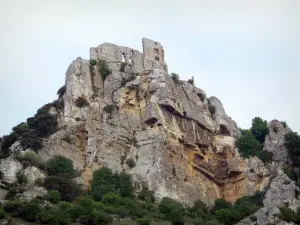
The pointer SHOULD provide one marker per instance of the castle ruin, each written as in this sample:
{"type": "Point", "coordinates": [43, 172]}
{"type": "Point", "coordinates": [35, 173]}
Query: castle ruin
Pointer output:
{"type": "Point", "coordinates": [151, 58]}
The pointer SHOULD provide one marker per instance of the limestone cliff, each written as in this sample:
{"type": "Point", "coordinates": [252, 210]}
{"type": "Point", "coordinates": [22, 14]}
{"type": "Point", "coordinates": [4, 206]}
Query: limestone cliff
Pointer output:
{"type": "Point", "coordinates": [139, 113]}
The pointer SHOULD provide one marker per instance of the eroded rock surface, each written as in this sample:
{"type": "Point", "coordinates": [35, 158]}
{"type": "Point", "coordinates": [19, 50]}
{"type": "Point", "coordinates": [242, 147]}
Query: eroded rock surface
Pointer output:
{"type": "Point", "coordinates": [282, 192]}
{"type": "Point", "coordinates": [139, 112]}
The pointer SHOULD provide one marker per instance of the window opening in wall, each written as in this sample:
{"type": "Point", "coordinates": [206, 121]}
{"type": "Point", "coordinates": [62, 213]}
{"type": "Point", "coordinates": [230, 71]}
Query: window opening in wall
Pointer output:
{"type": "Point", "coordinates": [129, 61]}
{"type": "Point", "coordinates": [156, 58]}
{"type": "Point", "coordinates": [156, 50]}
{"type": "Point", "coordinates": [123, 57]}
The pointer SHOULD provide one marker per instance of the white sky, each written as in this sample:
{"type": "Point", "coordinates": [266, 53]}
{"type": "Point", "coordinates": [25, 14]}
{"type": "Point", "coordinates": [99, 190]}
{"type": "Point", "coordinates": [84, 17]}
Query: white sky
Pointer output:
{"type": "Point", "coordinates": [246, 53]}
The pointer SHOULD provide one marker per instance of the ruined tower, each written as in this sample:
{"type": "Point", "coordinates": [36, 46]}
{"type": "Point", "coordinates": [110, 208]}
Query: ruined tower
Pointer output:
{"type": "Point", "coordinates": [151, 58]}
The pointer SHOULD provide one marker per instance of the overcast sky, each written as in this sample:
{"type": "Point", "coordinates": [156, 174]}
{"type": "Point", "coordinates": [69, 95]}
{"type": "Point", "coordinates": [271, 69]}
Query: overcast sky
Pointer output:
{"type": "Point", "coordinates": [246, 53]}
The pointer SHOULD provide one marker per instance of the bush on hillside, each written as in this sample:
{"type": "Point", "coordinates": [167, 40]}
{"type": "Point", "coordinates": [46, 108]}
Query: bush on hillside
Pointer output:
{"type": "Point", "coordinates": [259, 129]}
{"type": "Point", "coordinates": [292, 143]}
{"type": "Point", "coordinates": [61, 91]}
{"type": "Point", "coordinates": [104, 69]}
{"type": "Point", "coordinates": [96, 217]}
{"type": "Point", "coordinates": [221, 203]}
{"type": "Point", "coordinates": [67, 189]}
{"type": "Point", "coordinates": [175, 78]}
{"type": "Point", "coordinates": [53, 196]}
{"type": "Point", "coordinates": [30, 158]}
{"type": "Point", "coordinates": [173, 210]}
{"type": "Point", "coordinates": [21, 128]}
{"type": "Point", "coordinates": [248, 145]}
{"type": "Point", "coordinates": [60, 166]}
{"type": "Point", "coordinates": [284, 124]}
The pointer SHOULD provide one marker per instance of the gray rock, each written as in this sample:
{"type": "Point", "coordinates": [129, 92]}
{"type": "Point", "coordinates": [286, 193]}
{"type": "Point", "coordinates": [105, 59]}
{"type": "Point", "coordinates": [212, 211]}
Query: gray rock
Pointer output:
{"type": "Point", "coordinates": [33, 193]}
{"type": "Point", "coordinates": [9, 168]}
{"type": "Point", "coordinates": [274, 142]}
{"type": "Point", "coordinates": [32, 173]}
{"type": "Point", "coordinates": [180, 149]}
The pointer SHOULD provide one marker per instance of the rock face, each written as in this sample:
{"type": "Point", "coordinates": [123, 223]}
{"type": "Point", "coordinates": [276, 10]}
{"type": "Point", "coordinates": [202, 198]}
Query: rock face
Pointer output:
{"type": "Point", "coordinates": [140, 112]}
{"type": "Point", "coordinates": [274, 142]}
{"type": "Point", "coordinates": [282, 192]}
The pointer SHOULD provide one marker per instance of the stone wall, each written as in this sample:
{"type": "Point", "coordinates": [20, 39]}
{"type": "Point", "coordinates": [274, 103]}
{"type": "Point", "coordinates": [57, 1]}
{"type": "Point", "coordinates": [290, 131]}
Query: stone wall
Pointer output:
{"type": "Point", "coordinates": [151, 58]}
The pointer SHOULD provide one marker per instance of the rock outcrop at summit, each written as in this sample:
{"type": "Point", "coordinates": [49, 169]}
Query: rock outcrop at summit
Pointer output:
{"type": "Point", "coordinates": [163, 126]}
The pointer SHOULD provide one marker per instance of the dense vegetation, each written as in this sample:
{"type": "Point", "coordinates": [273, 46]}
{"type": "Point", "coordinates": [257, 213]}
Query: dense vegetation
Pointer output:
{"type": "Point", "coordinates": [292, 143]}
{"type": "Point", "coordinates": [112, 197]}
{"type": "Point", "coordinates": [30, 134]}
{"type": "Point", "coordinates": [250, 143]}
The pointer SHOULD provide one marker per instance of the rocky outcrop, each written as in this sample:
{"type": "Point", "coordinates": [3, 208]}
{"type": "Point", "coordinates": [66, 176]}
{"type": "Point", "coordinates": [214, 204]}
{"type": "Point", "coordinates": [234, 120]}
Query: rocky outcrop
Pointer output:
{"type": "Point", "coordinates": [282, 191]}
{"type": "Point", "coordinates": [139, 112]}
{"type": "Point", "coordinates": [274, 142]}
{"type": "Point", "coordinates": [9, 168]}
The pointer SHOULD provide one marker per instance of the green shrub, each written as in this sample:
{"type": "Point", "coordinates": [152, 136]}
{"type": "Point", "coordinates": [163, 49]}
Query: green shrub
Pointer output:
{"type": "Point", "coordinates": [14, 207]}
{"type": "Point", "coordinates": [81, 102]}
{"type": "Point", "coordinates": [284, 124]}
{"type": "Point", "coordinates": [122, 211]}
{"type": "Point", "coordinates": [54, 216]}
{"type": "Point", "coordinates": [266, 156]}
{"type": "Point", "coordinates": [175, 78]}
{"type": "Point", "coordinates": [104, 69]}
{"type": "Point", "coordinates": [7, 141]}
{"type": "Point", "coordinates": [53, 196]}
{"type": "Point", "coordinates": [259, 129]}
{"type": "Point", "coordinates": [288, 215]}
{"type": "Point", "coordinates": [60, 166]}
{"type": "Point", "coordinates": [30, 158]}
{"type": "Point", "coordinates": [21, 178]}
{"type": "Point", "coordinates": [111, 199]}
{"type": "Point", "coordinates": [228, 216]}
{"type": "Point", "coordinates": [43, 123]}
{"type": "Point", "coordinates": [173, 210]}
{"type": "Point", "coordinates": [292, 143]}
{"type": "Point", "coordinates": [221, 203]}
{"type": "Point", "coordinates": [96, 217]}
{"type": "Point", "coordinates": [12, 192]}
{"type": "Point", "coordinates": [61, 91]}
{"type": "Point", "coordinates": [212, 109]}
{"type": "Point", "coordinates": [21, 129]}
{"type": "Point", "coordinates": [30, 211]}
{"type": "Point", "coordinates": [146, 195]}
{"type": "Point", "coordinates": [2, 213]}
{"type": "Point", "coordinates": [143, 221]}
{"type": "Point", "coordinates": [123, 184]}
{"type": "Point", "coordinates": [32, 140]}
{"type": "Point", "coordinates": [248, 145]}
{"type": "Point", "coordinates": [130, 162]}
{"type": "Point", "coordinates": [93, 62]}
{"type": "Point", "coordinates": [67, 189]}
{"type": "Point", "coordinates": [199, 209]}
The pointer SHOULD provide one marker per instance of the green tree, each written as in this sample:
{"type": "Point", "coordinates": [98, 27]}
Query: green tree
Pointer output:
{"type": "Point", "coordinates": [124, 185]}
{"type": "Point", "coordinates": [259, 129]}
{"type": "Point", "coordinates": [21, 129]}
{"type": "Point", "coordinates": [96, 217]}
{"type": "Point", "coordinates": [67, 188]}
{"type": "Point", "coordinates": [173, 211]}
{"type": "Point", "coordinates": [248, 145]}
{"type": "Point", "coordinates": [221, 203]}
{"type": "Point", "coordinates": [60, 166]}
{"type": "Point", "coordinates": [292, 143]}
{"type": "Point", "coordinates": [53, 196]}
{"type": "Point", "coordinates": [103, 182]}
